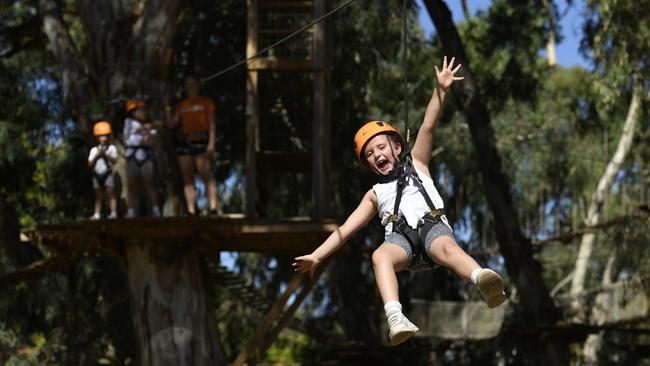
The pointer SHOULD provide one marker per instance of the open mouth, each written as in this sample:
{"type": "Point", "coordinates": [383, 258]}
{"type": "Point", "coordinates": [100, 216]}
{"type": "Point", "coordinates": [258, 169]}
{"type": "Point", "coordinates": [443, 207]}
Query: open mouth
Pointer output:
{"type": "Point", "coordinates": [381, 164]}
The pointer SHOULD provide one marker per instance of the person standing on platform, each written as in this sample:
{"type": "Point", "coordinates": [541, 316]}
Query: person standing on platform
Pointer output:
{"type": "Point", "coordinates": [139, 156]}
{"type": "Point", "coordinates": [195, 120]}
{"type": "Point", "coordinates": [101, 160]}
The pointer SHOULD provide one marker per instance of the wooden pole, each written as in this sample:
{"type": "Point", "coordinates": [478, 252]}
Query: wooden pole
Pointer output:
{"type": "Point", "coordinates": [252, 112]}
{"type": "Point", "coordinates": [322, 111]}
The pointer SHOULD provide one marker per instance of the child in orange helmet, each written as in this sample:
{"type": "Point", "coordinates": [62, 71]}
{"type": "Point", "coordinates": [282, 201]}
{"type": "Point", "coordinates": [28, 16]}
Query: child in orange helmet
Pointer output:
{"type": "Point", "coordinates": [138, 135]}
{"type": "Point", "coordinates": [417, 234]}
{"type": "Point", "coordinates": [101, 160]}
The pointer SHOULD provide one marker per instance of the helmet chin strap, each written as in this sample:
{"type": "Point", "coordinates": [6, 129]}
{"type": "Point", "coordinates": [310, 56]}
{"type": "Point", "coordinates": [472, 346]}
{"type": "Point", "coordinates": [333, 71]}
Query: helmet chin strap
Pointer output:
{"type": "Point", "coordinates": [398, 162]}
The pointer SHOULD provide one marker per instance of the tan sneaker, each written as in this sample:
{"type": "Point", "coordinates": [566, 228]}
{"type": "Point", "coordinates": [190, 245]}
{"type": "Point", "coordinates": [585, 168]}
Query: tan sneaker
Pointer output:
{"type": "Point", "coordinates": [491, 286]}
{"type": "Point", "coordinates": [401, 329]}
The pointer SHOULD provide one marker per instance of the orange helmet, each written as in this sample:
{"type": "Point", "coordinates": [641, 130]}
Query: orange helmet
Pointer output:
{"type": "Point", "coordinates": [133, 104]}
{"type": "Point", "coordinates": [370, 130]}
{"type": "Point", "coordinates": [102, 128]}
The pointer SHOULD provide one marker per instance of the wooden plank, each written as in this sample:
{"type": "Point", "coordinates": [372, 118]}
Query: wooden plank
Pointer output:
{"type": "Point", "coordinates": [215, 234]}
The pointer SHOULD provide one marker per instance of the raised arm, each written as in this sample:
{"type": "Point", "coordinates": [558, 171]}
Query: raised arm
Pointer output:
{"type": "Point", "coordinates": [421, 151]}
{"type": "Point", "coordinates": [366, 210]}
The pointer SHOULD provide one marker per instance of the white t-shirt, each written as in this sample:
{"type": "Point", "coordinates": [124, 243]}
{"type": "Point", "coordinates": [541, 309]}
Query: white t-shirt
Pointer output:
{"type": "Point", "coordinates": [412, 207]}
{"type": "Point", "coordinates": [132, 135]}
{"type": "Point", "coordinates": [135, 137]}
{"type": "Point", "coordinates": [100, 165]}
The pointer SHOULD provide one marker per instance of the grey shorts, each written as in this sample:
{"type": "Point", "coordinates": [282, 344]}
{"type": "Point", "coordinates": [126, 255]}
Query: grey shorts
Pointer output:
{"type": "Point", "coordinates": [143, 169]}
{"type": "Point", "coordinates": [415, 263]}
{"type": "Point", "coordinates": [107, 183]}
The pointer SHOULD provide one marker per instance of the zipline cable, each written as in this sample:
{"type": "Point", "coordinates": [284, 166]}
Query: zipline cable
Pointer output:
{"type": "Point", "coordinates": [302, 29]}
{"type": "Point", "coordinates": [405, 72]}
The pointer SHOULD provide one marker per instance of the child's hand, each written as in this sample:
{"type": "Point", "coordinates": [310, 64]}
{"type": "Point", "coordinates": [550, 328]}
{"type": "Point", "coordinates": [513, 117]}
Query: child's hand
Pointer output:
{"type": "Point", "coordinates": [447, 76]}
{"type": "Point", "coordinates": [306, 263]}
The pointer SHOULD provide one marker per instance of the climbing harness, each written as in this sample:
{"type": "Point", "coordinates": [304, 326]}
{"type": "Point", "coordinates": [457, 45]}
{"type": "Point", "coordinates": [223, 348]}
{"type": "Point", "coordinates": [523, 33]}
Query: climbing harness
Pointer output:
{"type": "Point", "coordinates": [415, 237]}
{"type": "Point", "coordinates": [101, 178]}
{"type": "Point", "coordinates": [102, 128]}
{"type": "Point", "coordinates": [138, 154]}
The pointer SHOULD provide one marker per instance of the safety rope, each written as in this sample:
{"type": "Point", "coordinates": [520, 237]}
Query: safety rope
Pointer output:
{"type": "Point", "coordinates": [405, 72]}
{"type": "Point", "coordinates": [302, 29]}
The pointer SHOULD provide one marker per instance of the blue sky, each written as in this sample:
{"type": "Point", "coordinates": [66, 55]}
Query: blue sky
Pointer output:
{"type": "Point", "coordinates": [571, 24]}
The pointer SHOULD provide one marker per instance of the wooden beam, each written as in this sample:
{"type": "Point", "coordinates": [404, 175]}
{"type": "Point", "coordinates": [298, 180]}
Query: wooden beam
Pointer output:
{"type": "Point", "coordinates": [266, 323]}
{"type": "Point", "coordinates": [252, 111]}
{"type": "Point", "coordinates": [288, 315]}
{"type": "Point", "coordinates": [223, 234]}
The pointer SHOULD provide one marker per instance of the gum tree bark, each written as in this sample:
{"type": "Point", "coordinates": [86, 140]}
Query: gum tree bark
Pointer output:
{"type": "Point", "coordinates": [536, 306]}
{"type": "Point", "coordinates": [596, 204]}
{"type": "Point", "coordinates": [169, 309]}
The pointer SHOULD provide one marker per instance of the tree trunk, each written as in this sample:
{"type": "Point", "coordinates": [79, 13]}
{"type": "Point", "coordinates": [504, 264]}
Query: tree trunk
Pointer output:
{"type": "Point", "coordinates": [599, 311]}
{"type": "Point", "coordinates": [170, 312]}
{"type": "Point", "coordinates": [537, 307]}
{"type": "Point", "coordinates": [596, 203]}
{"type": "Point", "coordinates": [466, 12]}
{"type": "Point", "coordinates": [77, 89]}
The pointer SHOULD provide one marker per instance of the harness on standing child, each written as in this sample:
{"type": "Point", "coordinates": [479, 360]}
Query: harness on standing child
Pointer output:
{"type": "Point", "coordinates": [101, 178]}
{"type": "Point", "coordinates": [415, 237]}
{"type": "Point", "coordinates": [133, 153]}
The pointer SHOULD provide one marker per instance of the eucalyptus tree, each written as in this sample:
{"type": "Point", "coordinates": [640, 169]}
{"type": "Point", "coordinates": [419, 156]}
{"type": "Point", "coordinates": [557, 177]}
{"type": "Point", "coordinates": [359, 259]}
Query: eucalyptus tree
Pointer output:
{"type": "Point", "coordinates": [617, 37]}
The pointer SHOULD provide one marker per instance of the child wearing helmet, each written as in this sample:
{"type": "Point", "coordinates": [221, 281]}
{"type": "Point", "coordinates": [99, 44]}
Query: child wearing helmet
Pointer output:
{"type": "Point", "coordinates": [417, 234]}
{"type": "Point", "coordinates": [139, 156]}
{"type": "Point", "coordinates": [101, 160]}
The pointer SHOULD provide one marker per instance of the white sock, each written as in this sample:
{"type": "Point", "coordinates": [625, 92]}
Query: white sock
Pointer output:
{"type": "Point", "coordinates": [392, 307]}
{"type": "Point", "coordinates": [155, 210]}
{"type": "Point", "coordinates": [474, 275]}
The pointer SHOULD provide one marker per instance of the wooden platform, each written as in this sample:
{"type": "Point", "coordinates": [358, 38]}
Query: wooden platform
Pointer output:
{"type": "Point", "coordinates": [228, 233]}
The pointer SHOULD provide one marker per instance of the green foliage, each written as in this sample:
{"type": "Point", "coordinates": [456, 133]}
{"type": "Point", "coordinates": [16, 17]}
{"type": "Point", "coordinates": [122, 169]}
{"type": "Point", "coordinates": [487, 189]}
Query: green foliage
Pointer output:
{"type": "Point", "coordinates": [550, 125]}
{"type": "Point", "coordinates": [617, 37]}
{"type": "Point", "coordinates": [288, 348]}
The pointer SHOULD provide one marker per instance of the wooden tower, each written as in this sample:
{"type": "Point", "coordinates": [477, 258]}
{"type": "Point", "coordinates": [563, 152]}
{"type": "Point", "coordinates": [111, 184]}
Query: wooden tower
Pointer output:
{"type": "Point", "coordinates": [287, 108]}
{"type": "Point", "coordinates": [170, 261]}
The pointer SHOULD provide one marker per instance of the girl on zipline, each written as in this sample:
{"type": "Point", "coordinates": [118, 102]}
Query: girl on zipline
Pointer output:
{"type": "Point", "coordinates": [417, 234]}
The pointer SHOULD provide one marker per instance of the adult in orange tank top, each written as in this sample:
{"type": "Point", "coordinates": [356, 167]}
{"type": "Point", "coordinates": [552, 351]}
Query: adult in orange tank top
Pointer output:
{"type": "Point", "coordinates": [195, 143]}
